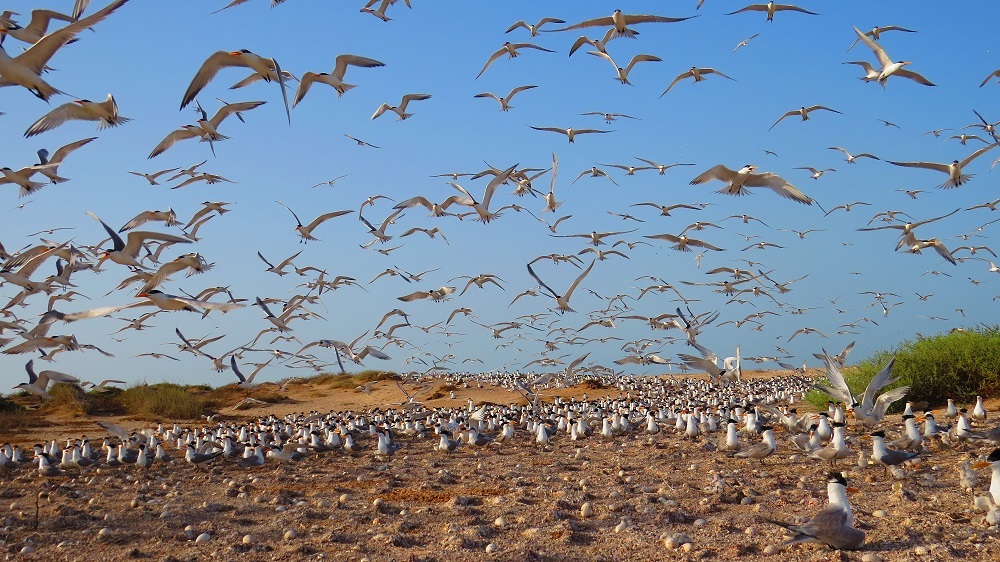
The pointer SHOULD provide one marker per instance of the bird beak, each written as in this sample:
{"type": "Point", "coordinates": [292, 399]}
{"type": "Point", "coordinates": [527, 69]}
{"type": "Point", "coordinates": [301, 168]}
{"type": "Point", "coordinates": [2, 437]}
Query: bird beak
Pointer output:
{"type": "Point", "coordinates": [981, 464]}
{"type": "Point", "coordinates": [853, 490]}
{"type": "Point", "coordinates": [235, 53]}
{"type": "Point", "coordinates": [142, 294]}
{"type": "Point", "coordinates": [866, 436]}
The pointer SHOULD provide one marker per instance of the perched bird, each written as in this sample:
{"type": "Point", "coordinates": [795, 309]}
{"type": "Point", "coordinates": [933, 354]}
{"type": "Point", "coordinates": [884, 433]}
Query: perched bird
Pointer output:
{"type": "Point", "coordinates": [105, 113]}
{"type": "Point", "coordinates": [834, 526]}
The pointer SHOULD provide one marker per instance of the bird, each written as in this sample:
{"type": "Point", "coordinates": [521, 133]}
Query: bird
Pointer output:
{"type": "Point", "coordinates": [305, 232]}
{"type": "Point", "coordinates": [871, 408]}
{"type": "Point", "coordinates": [334, 79]}
{"type": "Point", "coordinates": [562, 301]}
{"type": "Point", "coordinates": [954, 170]}
{"type": "Point", "coordinates": [852, 158]}
{"type": "Point", "coordinates": [25, 69]}
{"type": "Point", "coordinates": [890, 68]}
{"type": "Point", "coordinates": [359, 143]}
{"type": "Point", "coordinates": [620, 22]}
{"type": "Point", "coordinates": [877, 32]}
{"type": "Point", "coordinates": [206, 130]}
{"type": "Point", "coordinates": [681, 242]}
{"type": "Point", "coordinates": [695, 73]}
{"type": "Point", "coordinates": [49, 165]}
{"type": "Point", "coordinates": [105, 113]}
{"type": "Point", "coordinates": [38, 383]}
{"type": "Point", "coordinates": [505, 101]}
{"type": "Point", "coordinates": [771, 8]}
{"type": "Point", "coordinates": [127, 253]}
{"type": "Point", "coordinates": [739, 180]}
{"type": "Point", "coordinates": [400, 110]}
{"type": "Point", "coordinates": [885, 456]}
{"type": "Point", "coordinates": [745, 42]}
{"type": "Point", "coordinates": [264, 68]}
{"type": "Point", "coordinates": [816, 174]}
{"type": "Point", "coordinates": [622, 74]}
{"type": "Point", "coordinates": [510, 49]}
{"type": "Point", "coordinates": [834, 526]}
{"type": "Point", "coordinates": [570, 132]}
{"type": "Point", "coordinates": [995, 73]}
{"type": "Point", "coordinates": [533, 29]}
{"type": "Point", "coordinates": [803, 112]}
{"type": "Point", "coordinates": [151, 178]}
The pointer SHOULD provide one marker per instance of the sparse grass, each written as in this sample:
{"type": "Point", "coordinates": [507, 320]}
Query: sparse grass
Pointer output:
{"type": "Point", "coordinates": [68, 398]}
{"type": "Point", "coordinates": [163, 400]}
{"type": "Point", "coordinates": [958, 365]}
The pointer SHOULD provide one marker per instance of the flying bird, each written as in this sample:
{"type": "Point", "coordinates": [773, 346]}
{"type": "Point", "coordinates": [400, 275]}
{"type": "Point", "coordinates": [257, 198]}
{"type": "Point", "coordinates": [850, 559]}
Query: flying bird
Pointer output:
{"type": "Point", "coordinates": [264, 68]}
{"type": "Point", "coordinates": [889, 68]}
{"type": "Point", "coordinates": [510, 49]}
{"type": "Point", "coordinates": [305, 232]}
{"type": "Point", "coordinates": [505, 101]}
{"type": "Point", "coordinates": [695, 73]}
{"type": "Point", "coordinates": [105, 113]}
{"type": "Point", "coordinates": [570, 132]}
{"type": "Point", "coordinates": [803, 112]}
{"type": "Point", "coordinates": [746, 176]}
{"type": "Point", "coordinates": [620, 22]}
{"type": "Point", "coordinates": [771, 8]}
{"type": "Point", "coordinates": [334, 79]}
{"type": "Point", "coordinates": [954, 170]}
{"type": "Point", "coordinates": [400, 110]}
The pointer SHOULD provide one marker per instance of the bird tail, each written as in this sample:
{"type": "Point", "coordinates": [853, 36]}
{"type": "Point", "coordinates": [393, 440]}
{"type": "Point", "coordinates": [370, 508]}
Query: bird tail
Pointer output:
{"type": "Point", "coordinates": [33, 186]}
{"type": "Point", "coordinates": [115, 121]}
{"type": "Point", "coordinates": [627, 33]}
{"type": "Point", "coordinates": [344, 88]}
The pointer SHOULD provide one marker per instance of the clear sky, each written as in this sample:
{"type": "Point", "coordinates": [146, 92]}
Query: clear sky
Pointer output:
{"type": "Point", "coordinates": [148, 52]}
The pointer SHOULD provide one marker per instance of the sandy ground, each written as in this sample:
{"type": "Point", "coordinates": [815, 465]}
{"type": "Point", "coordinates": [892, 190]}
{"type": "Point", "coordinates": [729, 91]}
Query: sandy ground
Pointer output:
{"type": "Point", "coordinates": [596, 499]}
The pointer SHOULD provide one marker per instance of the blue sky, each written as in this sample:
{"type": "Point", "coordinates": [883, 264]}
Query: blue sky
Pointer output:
{"type": "Point", "coordinates": [147, 53]}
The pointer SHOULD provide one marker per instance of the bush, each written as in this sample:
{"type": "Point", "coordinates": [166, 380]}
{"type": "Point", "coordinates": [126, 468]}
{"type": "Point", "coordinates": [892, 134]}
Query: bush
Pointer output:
{"type": "Point", "coordinates": [163, 400]}
{"type": "Point", "coordinates": [959, 365]}
{"type": "Point", "coordinates": [68, 398]}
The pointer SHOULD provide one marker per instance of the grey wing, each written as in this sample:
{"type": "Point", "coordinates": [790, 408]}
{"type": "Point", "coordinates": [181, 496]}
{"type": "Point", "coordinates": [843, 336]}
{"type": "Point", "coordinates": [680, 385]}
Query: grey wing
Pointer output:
{"type": "Point", "coordinates": [882, 379]}
{"type": "Point", "coordinates": [883, 402]}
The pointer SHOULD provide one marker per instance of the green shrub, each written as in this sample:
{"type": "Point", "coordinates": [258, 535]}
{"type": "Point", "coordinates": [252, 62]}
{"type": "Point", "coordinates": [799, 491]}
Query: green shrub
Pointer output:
{"type": "Point", "coordinates": [163, 400]}
{"type": "Point", "coordinates": [959, 365]}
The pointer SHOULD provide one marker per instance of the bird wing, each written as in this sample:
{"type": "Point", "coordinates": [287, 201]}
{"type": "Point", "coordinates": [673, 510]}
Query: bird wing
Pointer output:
{"type": "Point", "coordinates": [780, 186]}
{"type": "Point", "coordinates": [173, 138]}
{"type": "Point", "coordinates": [789, 114]}
{"type": "Point", "coordinates": [551, 129]}
{"type": "Point", "coordinates": [137, 238]}
{"type": "Point", "coordinates": [913, 76]}
{"type": "Point", "coordinates": [492, 58]}
{"type": "Point", "coordinates": [604, 56]}
{"type": "Point", "coordinates": [58, 116]}
{"type": "Point", "coordinates": [596, 22]}
{"type": "Point", "coordinates": [325, 217]}
{"type": "Point", "coordinates": [343, 61]}
{"type": "Point", "coordinates": [680, 77]}
{"type": "Point", "coordinates": [542, 283]}
{"type": "Point", "coordinates": [840, 390]}
{"type": "Point", "coordinates": [231, 108]}
{"type": "Point", "coordinates": [883, 402]}
{"type": "Point", "coordinates": [719, 172]}
{"type": "Point", "coordinates": [65, 150]}
{"type": "Point", "coordinates": [569, 292]}
{"type": "Point", "coordinates": [883, 58]}
{"type": "Point", "coordinates": [928, 165]}
{"type": "Point", "coordinates": [496, 182]}
{"type": "Point", "coordinates": [208, 70]}
{"type": "Point", "coordinates": [411, 97]}
{"type": "Point", "coordinates": [38, 55]}
{"type": "Point", "coordinates": [977, 154]}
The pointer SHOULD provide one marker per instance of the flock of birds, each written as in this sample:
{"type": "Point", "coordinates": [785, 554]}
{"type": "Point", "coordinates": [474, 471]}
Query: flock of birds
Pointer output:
{"type": "Point", "coordinates": [738, 420]}
{"type": "Point", "coordinates": [663, 309]}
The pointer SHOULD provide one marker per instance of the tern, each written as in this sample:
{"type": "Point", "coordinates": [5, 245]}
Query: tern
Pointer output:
{"type": "Point", "coordinates": [49, 165]}
{"type": "Point", "coordinates": [851, 158]}
{"type": "Point", "coordinates": [803, 112]}
{"type": "Point", "coordinates": [151, 178]}
{"type": "Point", "coordinates": [954, 170]}
{"type": "Point", "coordinates": [745, 42]}
{"type": "Point", "coordinates": [620, 23]}
{"type": "Point", "coordinates": [870, 409]}
{"type": "Point", "coordinates": [105, 113]}
{"type": "Point", "coordinates": [305, 232]}
{"type": "Point", "coordinates": [400, 110]}
{"type": "Point", "coordinates": [37, 28]}
{"type": "Point", "coordinates": [877, 32]}
{"type": "Point", "coordinates": [771, 8]}
{"type": "Point", "coordinates": [510, 49]}
{"type": "Point", "coordinates": [504, 101]}
{"type": "Point", "coordinates": [38, 384]}
{"type": "Point", "coordinates": [834, 525]}
{"type": "Point", "coordinates": [334, 79]}
{"type": "Point", "coordinates": [739, 180]}
{"type": "Point", "coordinates": [206, 130]}
{"type": "Point", "coordinates": [22, 178]}
{"type": "Point", "coordinates": [127, 253]}
{"type": "Point", "coordinates": [623, 73]}
{"type": "Point", "coordinates": [533, 29]}
{"type": "Point", "coordinates": [263, 67]}
{"type": "Point", "coordinates": [26, 68]}
{"type": "Point", "coordinates": [562, 301]}
{"type": "Point", "coordinates": [890, 68]}
{"type": "Point", "coordinates": [570, 132]}
{"type": "Point", "coordinates": [816, 174]}
{"type": "Point", "coordinates": [695, 73]}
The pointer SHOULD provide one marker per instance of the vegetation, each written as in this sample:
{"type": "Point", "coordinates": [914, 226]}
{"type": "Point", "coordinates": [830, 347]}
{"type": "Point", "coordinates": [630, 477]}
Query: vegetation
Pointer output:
{"type": "Point", "coordinates": [959, 365]}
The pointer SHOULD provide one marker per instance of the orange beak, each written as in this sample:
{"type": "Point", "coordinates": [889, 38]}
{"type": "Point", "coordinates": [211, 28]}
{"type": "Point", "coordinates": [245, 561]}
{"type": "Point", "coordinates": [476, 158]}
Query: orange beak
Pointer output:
{"type": "Point", "coordinates": [853, 490]}
{"type": "Point", "coordinates": [235, 53]}
{"type": "Point", "coordinates": [982, 464]}
{"type": "Point", "coordinates": [142, 294]}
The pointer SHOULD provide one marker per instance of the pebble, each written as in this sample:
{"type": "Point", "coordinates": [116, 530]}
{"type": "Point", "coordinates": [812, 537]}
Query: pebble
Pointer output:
{"type": "Point", "coordinates": [870, 557]}
{"type": "Point", "coordinates": [290, 534]}
{"type": "Point", "coordinates": [499, 522]}
{"type": "Point", "coordinates": [771, 549]}
{"type": "Point", "coordinates": [203, 538]}
{"type": "Point", "coordinates": [921, 551]}
{"type": "Point", "coordinates": [28, 550]}
{"type": "Point", "coordinates": [104, 533]}
{"type": "Point", "coordinates": [247, 540]}
{"type": "Point", "coordinates": [491, 548]}
{"type": "Point", "coordinates": [880, 513]}
{"type": "Point", "coordinates": [746, 500]}
{"type": "Point", "coordinates": [587, 509]}
{"type": "Point", "coordinates": [699, 522]}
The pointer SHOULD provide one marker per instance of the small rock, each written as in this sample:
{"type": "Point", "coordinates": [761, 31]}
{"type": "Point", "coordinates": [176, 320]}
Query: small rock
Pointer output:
{"type": "Point", "coordinates": [247, 540]}
{"type": "Point", "coordinates": [870, 557]}
{"type": "Point", "coordinates": [687, 547]}
{"type": "Point", "coordinates": [771, 549]}
{"type": "Point", "coordinates": [104, 533]}
{"type": "Point", "coordinates": [491, 548]}
{"type": "Point", "coordinates": [699, 522]}
{"type": "Point", "coordinates": [290, 534]}
{"type": "Point", "coordinates": [499, 522]}
{"type": "Point", "coordinates": [880, 513]}
{"type": "Point", "coordinates": [747, 500]}
{"type": "Point", "coordinates": [203, 538]}
{"type": "Point", "coordinates": [921, 551]}
{"type": "Point", "coordinates": [28, 550]}
{"type": "Point", "coordinates": [587, 509]}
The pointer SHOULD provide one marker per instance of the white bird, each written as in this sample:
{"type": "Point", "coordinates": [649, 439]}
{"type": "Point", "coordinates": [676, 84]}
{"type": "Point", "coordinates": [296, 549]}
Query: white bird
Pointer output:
{"type": "Point", "coordinates": [744, 42]}
{"type": "Point", "coordinates": [22, 178]}
{"type": "Point", "coordinates": [105, 113]}
{"type": "Point", "coordinates": [851, 158]}
{"type": "Point", "coordinates": [26, 68]}
{"type": "Point", "coordinates": [50, 165]}
{"type": "Point", "coordinates": [267, 69]}
{"type": "Point", "coordinates": [533, 29]}
{"type": "Point", "coordinates": [334, 79]}
{"type": "Point", "coordinates": [38, 384]}
{"type": "Point", "coordinates": [505, 101]}
{"type": "Point", "coordinates": [803, 112]}
{"type": "Point", "coordinates": [890, 68]}
{"type": "Point", "coordinates": [206, 130]}
{"type": "Point", "coordinates": [620, 23]}
{"type": "Point", "coordinates": [695, 73]}
{"type": "Point", "coordinates": [151, 178]}
{"type": "Point", "coordinates": [739, 180]}
{"type": "Point", "coordinates": [623, 72]}
{"type": "Point", "coordinates": [570, 132]}
{"type": "Point", "coordinates": [510, 49]}
{"type": "Point", "coordinates": [400, 110]}
{"type": "Point", "coordinates": [877, 32]}
{"type": "Point", "coordinates": [834, 526]}
{"type": "Point", "coordinates": [305, 231]}
{"type": "Point", "coordinates": [562, 301]}
{"type": "Point", "coordinates": [816, 174]}
{"type": "Point", "coordinates": [954, 170]}
{"type": "Point", "coordinates": [127, 253]}
{"type": "Point", "coordinates": [771, 8]}
{"type": "Point", "coordinates": [870, 409]}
